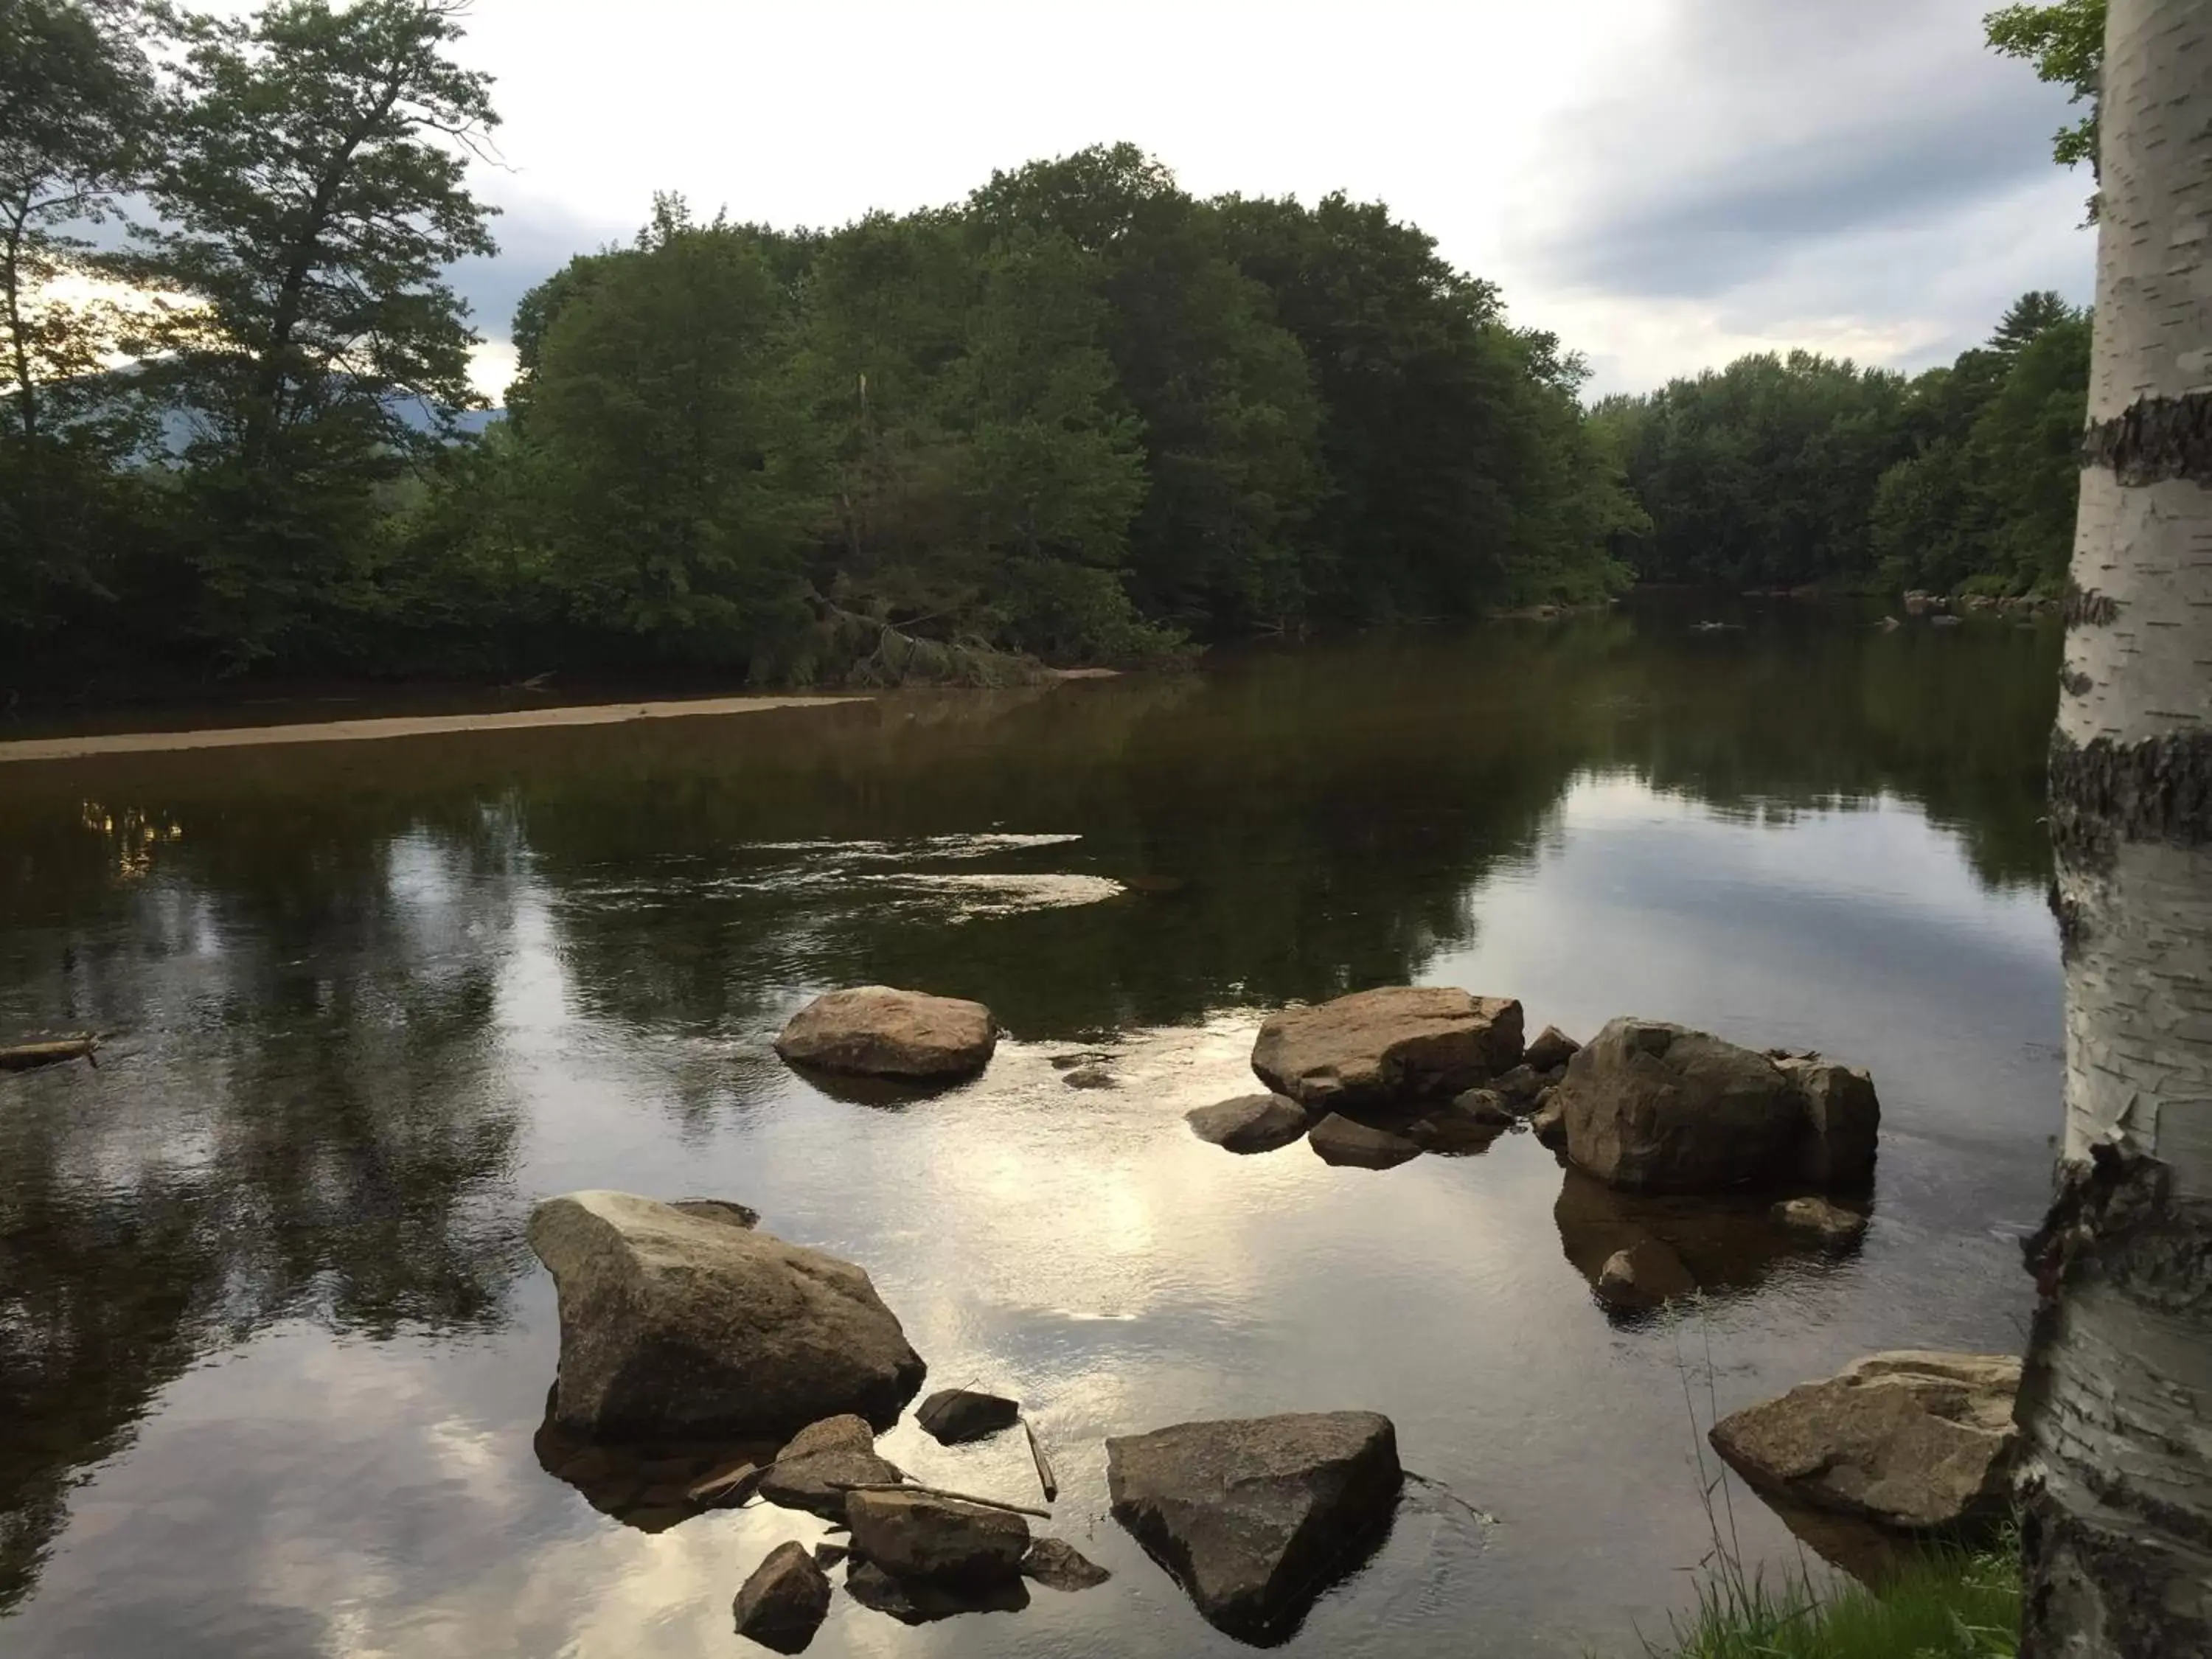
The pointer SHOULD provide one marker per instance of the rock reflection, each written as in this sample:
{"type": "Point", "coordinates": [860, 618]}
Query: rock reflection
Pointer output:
{"type": "Point", "coordinates": [1730, 1245]}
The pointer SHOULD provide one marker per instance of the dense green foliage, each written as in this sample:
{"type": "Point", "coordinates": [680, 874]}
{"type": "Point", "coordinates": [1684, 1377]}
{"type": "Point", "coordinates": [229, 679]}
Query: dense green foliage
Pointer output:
{"type": "Point", "coordinates": [1082, 415]}
{"type": "Point", "coordinates": [1781, 471]}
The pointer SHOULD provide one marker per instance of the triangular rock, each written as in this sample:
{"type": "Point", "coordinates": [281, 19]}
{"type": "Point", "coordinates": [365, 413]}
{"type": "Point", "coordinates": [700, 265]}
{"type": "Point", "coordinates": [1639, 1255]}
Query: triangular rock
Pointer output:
{"type": "Point", "coordinates": [1255, 1516]}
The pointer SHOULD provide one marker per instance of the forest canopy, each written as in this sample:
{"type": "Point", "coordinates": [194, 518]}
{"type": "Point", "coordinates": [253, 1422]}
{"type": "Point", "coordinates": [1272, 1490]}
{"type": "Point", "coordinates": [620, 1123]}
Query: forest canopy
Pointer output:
{"type": "Point", "coordinates": [1782, 472]}
{"type": "Point", "coordinates": [1080, 417]}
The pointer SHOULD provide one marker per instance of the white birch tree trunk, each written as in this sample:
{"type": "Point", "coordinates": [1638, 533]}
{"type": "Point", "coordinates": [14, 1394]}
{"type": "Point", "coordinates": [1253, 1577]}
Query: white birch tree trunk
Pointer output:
{"type": "Point", "coordinates": [2116, 1405]}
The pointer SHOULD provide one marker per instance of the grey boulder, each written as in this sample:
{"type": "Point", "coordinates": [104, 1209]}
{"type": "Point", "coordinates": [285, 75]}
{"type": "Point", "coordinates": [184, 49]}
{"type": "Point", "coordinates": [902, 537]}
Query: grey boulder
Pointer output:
{"type": "Point", "coordinates": [1250, 1123]}
{"type": "Point", "coordinates": [1389, 1045]}
{"type": "Point", "coordinates": [676, 1326]}
{"type": "Point", "coordinates": [1650, 1107]}
{"type": "Point", "coordinates": [911, 1534]}
{"type": "Point", "coordinates": [874, 1031]}
{"type": "Point", "coordinates": [1843, 1122]}
{"type": "Point", "coordinates": [952, 1416]}
{"type": "Point", "coordinates": [1255, 1517]}
{"type": "Point", "coordinates": [1913, 1441]}
{"type": "Point", "coordinates": [785, 1601]}
{"type": "Point", "coordinates": [1343, 1140]}
{"type": "Point", "coordinates": [821, 1462]}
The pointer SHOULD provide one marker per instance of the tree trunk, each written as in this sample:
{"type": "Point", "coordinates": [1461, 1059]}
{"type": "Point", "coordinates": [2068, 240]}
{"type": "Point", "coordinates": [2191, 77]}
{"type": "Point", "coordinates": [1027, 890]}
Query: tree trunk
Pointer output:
{"type": "Point", "coordinates": [2116, 1406]}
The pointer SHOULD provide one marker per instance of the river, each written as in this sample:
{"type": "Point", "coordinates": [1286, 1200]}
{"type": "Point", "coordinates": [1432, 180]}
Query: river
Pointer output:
{"type": "Point", "coordinates": [274, 1357]}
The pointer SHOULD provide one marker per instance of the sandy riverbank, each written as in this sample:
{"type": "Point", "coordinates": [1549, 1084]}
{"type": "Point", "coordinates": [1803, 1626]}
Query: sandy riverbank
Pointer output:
{"type": "Point", "coordinates": [404, 725]}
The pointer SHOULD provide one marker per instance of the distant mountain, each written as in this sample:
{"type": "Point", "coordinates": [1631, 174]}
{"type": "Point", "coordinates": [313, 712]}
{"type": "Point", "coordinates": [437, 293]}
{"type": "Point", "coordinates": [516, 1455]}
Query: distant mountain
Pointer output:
{"type": "Point", "coordinates": [176, 424]}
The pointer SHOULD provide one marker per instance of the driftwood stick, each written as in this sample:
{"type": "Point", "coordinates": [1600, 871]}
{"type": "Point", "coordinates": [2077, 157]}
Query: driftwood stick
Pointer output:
{"type": "Point", "coordinates": [1046, 1478]}
{"type": "Point", "coordinates": [939, 1492]}
{"type": "Point", "coordinates": [729, 1487]}
{"type": "Point", "coordinates": [29, 1056]}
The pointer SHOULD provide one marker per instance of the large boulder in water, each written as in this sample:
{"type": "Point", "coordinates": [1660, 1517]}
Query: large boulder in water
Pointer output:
{"type": "Point", "coordinates": [1914, 1442]}
{"type": "Point", "coordinates": [678, 1326]}
{"type": "Point", "coordinates": [874, 1031]}
{"type": "Point", "coordinates": [1650, 1107]}
{"type": "Point", "coordinates": [1402, 1044]}
{"type": "Point", "coordinates": [1255, 1517]}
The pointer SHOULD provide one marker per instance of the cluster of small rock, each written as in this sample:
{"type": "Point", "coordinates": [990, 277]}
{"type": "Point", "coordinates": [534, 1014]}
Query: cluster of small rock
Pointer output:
{"type": "Point", "coordinates": [684, 1320]}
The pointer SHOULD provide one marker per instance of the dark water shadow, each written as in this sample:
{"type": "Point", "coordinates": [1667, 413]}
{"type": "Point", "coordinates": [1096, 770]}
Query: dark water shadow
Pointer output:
{"type": "Point", "coordinates": [645, 1486]}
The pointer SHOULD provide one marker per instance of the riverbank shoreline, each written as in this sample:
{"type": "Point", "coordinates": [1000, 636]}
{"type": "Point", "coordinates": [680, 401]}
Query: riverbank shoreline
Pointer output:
{"type": "Point", "coordinates": [401, 725]}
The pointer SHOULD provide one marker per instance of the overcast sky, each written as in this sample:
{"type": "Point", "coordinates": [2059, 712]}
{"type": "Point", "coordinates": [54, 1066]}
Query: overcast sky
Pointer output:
{"type": "Point", "coordinates": [1664, 183]}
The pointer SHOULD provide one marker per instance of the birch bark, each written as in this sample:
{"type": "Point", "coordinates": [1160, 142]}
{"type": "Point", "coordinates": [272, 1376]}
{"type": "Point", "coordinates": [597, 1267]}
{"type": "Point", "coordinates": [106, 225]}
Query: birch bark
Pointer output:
{"type": "Point", "coordinates": [2116, 1405]}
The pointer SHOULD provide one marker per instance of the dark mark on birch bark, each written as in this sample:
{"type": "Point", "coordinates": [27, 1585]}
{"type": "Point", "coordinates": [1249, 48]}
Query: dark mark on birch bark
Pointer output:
{"type": "Point", "coordinates": [2155, 440]}
{"type": "Point", "coordinates": [2103, 794]}
{"type": "Point", "coordinates": [2085, 608]}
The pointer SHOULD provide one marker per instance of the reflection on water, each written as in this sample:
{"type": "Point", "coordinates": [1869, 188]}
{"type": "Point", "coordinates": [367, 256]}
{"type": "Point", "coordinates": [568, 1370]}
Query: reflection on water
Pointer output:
{"type": "Point", "coordinates": [273, 1355]}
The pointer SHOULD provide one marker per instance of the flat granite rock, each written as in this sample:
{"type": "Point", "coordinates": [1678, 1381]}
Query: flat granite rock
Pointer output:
{"type": "Point", "coordinates": [875, 1031]}
{"type": "Point", "coordinates": [1913, 1441]}
{"type": "Point", "coordinates": [1255, 1517]}
{"type": "Point", "coordinates": [1388, 1047]}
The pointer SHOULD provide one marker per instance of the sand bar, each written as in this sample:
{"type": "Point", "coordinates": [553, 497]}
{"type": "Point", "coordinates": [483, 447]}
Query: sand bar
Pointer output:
{"type": "Point", "coordinates": [400, 725]}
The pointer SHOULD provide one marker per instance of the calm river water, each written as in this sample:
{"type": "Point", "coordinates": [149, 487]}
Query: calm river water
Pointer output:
{"type": "Point", "coordinates": [273, 1356]}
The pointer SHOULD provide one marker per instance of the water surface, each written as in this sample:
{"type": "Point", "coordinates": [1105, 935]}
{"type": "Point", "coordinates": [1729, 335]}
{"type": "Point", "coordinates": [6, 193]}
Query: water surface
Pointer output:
{"type": "Point", "coordinates": [274, 1358]}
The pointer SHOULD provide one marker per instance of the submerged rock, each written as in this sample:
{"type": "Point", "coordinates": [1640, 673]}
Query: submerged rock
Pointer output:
{"type": "Point", "coordinates": [1089, 1076]}
{"type": "Point", "coordinates": [1911, 1441]}
{"type": "Point", "coordinates": [1829, 1225]}
{"type": "Point", "coordinates": [1642, 1277]}
{"type": "Point", "coordinates": [785, 1601]}
{"type": "Point", "coordinates": [1656, 1108]}
{"type": "Point", "coordinates": [1250, 1123]}
{"type": "Point", "coordinates": [1398, 1044]}
{"type": "Point", "coordinates": [1342, 1140]}
{"type": "Point", "coordinates": [1058, 1565]}
{"type": "Point", "coordinates": [952, 1416]}
{"type": "Point", "coordinates": [812, 1472]}
{"type": "Point", "coordinates": [674, 1326]}
{"type": "Point", "coordinates": [874, 1031]}
{"type": "Point", "coordinates": [1551, 1049]}
{"type": "Point", "coordinates": [1255, 1517]}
